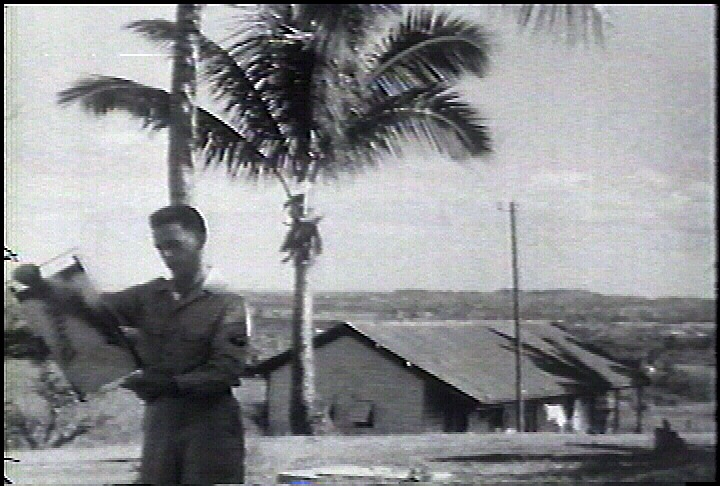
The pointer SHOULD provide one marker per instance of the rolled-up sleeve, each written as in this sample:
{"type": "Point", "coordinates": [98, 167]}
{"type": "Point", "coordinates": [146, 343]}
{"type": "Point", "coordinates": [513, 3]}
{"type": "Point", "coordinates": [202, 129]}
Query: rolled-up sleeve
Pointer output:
{"type": "Point", "coordinates": [227, 353]}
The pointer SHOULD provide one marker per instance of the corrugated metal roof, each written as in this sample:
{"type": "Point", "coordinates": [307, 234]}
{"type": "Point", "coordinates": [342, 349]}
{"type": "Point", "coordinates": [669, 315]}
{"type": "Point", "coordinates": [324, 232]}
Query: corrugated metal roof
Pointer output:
{"type": "Point", "coordinates": [477, 358]}
{"type": "Point", "coordinates": [564, 347]}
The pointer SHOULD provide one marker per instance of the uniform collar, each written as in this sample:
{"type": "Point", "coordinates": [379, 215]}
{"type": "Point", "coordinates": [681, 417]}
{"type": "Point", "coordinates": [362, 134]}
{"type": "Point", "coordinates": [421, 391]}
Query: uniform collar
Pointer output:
{"type": "Point", "coordinates": [211, 283]}
{"type": "Point", "coordinates": [214, 281]}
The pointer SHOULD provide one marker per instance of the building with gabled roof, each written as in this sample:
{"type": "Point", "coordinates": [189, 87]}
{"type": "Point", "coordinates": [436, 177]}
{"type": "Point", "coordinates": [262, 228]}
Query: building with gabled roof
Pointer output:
{"type": "Point", "coordinates": [451, 376]}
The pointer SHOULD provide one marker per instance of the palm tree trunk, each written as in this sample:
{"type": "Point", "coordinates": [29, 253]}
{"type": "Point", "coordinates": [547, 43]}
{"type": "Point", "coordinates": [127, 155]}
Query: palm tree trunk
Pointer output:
{"type": "Point", "coordinates": [182, 114]}
{"type": "Point", "coordinates": [303, 369]}
{"type": "Point", "coordinates": [302, 399]}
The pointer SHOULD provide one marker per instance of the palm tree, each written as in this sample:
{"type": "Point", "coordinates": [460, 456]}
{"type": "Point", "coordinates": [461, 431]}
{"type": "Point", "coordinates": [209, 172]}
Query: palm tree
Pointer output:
{"type": "Point", "coordinates": [304, 93]}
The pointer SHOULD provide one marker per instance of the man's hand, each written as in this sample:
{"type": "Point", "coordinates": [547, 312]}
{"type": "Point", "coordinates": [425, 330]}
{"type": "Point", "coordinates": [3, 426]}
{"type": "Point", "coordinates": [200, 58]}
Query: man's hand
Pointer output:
{"type": "Point", "coordinates": [134, 382]}
{"type": "Point", "coordinates": [149, 385]}
{"type": "Point", "coordinates": [28, 274]}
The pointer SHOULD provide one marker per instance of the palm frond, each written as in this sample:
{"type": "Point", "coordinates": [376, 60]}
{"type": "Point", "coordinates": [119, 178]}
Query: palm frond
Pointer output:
{"type": "Point", "coordinates": [103, 94]}
{"type": "Point", "coordinates": [218, 141]}
{"type": "Point", "coordinates": [158, 31]}
{"type": "Point", "coordinates": [287, 102]}
{"type": "Point", "coordinates": [242, 98]}
{"type": "Point", "coordinates": [285, 70]}
{"type": "Point", "coordinates": [428, 47]}
{"type": "Point", "coordinates": [229, 83]}
{"type": "Point", "coordinates": [335, 23]}
{"type": "Point", "coordinates": [341, 17]}
{"type": "Point", "coordinates": [569, 21]}
{"type": "Point", "coordinates": [221, 144]}
{"type": "Point", "coordinates": [431, 114]}
{"type": "Point", "coordinates": [261, 20]}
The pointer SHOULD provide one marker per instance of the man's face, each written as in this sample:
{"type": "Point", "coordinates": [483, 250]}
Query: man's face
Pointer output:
{"type": "Point", "coordinates": [179, 247]}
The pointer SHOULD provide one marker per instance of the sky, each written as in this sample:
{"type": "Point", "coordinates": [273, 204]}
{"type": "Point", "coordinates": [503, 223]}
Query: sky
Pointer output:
{"type": "Point", "coordinates": [609, 154]}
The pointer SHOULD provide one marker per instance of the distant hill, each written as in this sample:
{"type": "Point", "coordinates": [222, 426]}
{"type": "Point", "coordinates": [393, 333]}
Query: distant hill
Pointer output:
{"type": "Point", "coordinates": [561, 305]}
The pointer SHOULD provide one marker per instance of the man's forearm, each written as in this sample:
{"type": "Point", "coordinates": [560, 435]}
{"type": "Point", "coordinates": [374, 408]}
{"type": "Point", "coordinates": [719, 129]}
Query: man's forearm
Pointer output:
{"type": "Point", "coordinates": [206, 380]}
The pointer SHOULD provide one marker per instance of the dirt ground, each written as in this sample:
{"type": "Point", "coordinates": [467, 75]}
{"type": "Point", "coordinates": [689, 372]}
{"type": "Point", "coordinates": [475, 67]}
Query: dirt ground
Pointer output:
{"type": "Point", "coordinates": [469, 458]}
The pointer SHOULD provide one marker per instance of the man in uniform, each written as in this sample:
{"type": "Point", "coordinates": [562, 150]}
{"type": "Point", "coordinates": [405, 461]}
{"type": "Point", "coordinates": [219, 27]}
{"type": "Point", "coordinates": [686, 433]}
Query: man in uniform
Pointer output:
{"type": "Point", "coordinates": [191, 337]}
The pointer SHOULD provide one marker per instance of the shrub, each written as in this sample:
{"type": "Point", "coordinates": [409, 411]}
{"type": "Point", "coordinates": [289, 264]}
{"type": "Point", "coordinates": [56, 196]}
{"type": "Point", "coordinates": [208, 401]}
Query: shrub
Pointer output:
{"type": "Point", "coordinates": [64, 419]}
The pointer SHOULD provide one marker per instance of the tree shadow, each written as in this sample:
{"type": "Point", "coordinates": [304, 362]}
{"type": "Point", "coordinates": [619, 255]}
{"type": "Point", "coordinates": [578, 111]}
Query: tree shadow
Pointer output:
{"type": "Point", "coordinates": [609, 465]}
{"type": "Point", "coordinates": [514, 457]}
{"type": "Point", "coordinates": [695, 463]}
{"type": "Point", "coordinates": [561, 362]}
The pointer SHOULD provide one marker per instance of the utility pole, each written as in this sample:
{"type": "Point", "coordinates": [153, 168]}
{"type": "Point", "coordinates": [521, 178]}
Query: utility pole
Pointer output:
{"type": "Point", "coordinates": [520, 417]}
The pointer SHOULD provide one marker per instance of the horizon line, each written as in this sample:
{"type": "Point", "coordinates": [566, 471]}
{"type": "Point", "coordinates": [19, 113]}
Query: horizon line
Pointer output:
{"type": "Point", "coordinates": [414, 289]}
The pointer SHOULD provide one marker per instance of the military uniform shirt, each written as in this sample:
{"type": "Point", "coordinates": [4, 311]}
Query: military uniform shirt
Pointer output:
{"type": "Point", "coordinates": [200, 338]}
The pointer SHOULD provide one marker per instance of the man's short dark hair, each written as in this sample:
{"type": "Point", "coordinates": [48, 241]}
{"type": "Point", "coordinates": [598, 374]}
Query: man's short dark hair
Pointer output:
{"type": "Point", "coordinates": [186, 216]}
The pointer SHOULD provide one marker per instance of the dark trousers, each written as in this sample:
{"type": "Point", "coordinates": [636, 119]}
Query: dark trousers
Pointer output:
{"type": "Point", "coordinates": [193, 440]}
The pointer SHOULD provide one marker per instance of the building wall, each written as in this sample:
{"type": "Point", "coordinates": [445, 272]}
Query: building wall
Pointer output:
{"type": "Point", "coordinates": [487, 419]}
{"type": "Point", "coordinates": [578, 414]}
{"type": "Point", "coordinates": [355, 379]}
{"type": "Point", "coordinates": [559, 414]}
{"type": "Point", "coordinates": [351, 376]}
{"type": "Point", "coordinates": [445, 409]}
{"type": "Point", "coordinates": [278, 396]}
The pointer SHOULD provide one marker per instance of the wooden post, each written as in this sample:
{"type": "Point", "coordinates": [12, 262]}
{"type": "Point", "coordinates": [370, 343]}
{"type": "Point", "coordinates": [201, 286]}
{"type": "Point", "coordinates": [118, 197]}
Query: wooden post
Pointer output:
{"type": "Point", "coordinates": [519, 413]}
{"type": "Point", "coordinates": [516, 314]}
